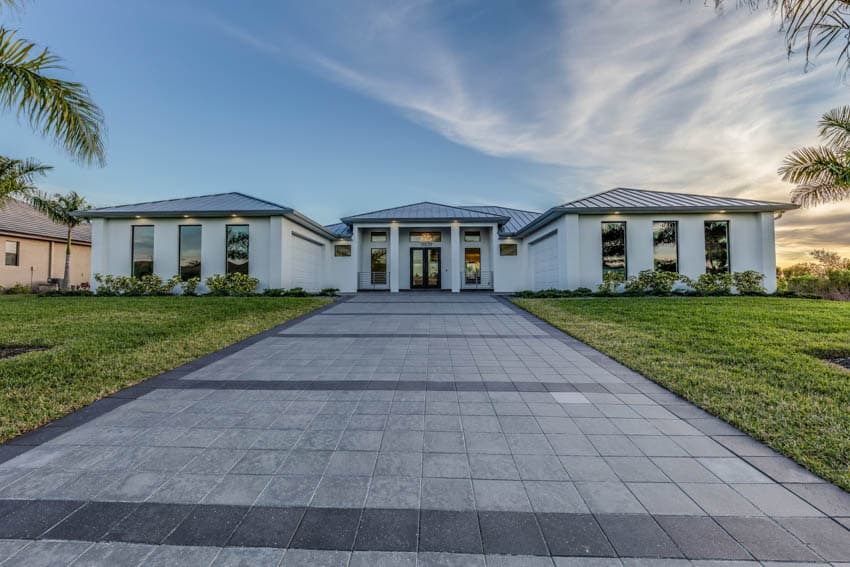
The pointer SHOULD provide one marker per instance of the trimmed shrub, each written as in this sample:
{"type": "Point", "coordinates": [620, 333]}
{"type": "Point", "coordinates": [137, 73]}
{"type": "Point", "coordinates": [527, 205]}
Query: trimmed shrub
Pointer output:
{"type": "Point", "coordinates": [611, 282]}
{"type": "Point", "coordinates": [190, 286]}
{"type": "Point", "coordinates": [654, 282]}
{"type": "Point", "coordinates": [18, 289]}
{"type": "Point", "coordinates": [329, 292]}
{"type": "Point", "coordinates": [749, 282]}
{"type": "Point", "coordinates": [235, 284]}
{"type": "Point", "coordinates": [150, 284]}
{"type": "Point", "coordinates": [714, 284]}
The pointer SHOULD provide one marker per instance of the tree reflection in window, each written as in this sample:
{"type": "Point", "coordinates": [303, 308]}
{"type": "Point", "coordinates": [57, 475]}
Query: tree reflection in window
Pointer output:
{"type": "Point", "coordinates": [716, 247]}
{"type": "Point", "coordinates": [665, 246]}
{"type": "Point", "coordinates": [614, 247]}
{"type": "Point", "coordinates": [237, 249]}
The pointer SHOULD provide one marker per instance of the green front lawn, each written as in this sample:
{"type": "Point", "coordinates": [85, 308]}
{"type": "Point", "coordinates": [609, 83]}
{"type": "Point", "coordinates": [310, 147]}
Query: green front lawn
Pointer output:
{"type": "Point", "coordinates": [753, 361]}
{"type": "Point", "coordinates": [98, 345]}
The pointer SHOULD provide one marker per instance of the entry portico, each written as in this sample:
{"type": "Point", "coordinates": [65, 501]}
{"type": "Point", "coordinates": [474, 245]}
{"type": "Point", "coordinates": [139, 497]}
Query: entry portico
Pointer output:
{"type": "Point", "coordinates": [425, 246]}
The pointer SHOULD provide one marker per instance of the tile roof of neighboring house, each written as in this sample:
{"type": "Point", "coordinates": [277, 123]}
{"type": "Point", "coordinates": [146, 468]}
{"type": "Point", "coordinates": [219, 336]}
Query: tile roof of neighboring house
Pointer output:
{"type": "Point", "coordinates": [19, 218]}
{"type": "Point", "coordinates": [204, 205]}
{"type": "Point", "coordinates": [625, 200]}
{"type": "Point", "coordinates": [425, 211]}
{"type": "Point", "coordinates": [517, 218]}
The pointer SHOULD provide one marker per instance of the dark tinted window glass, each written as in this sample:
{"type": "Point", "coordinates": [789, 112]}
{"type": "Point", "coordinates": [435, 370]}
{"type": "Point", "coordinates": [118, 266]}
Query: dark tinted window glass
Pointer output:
{"type": "Point", "coordinates": [142, 250]}
{"type": "Point", "coordinates": [190, 251]}
{"type": "Point", "coordinates": [426, 237]}
{"type": "Point", "coordinates": [665, 246]}
{"type": "Point", "coordinates": [342, 250]}
{"type": "Point", "coordinates": [379, 260]}
{"type": "Point", "coordinates": [716, 247]}
{"type": "Point", "coordinates": [470, 236]}
{"type": "Point", "coordinates": [379, 237]}
{"type": "Point", "coordinates": [237, 248]}
{"type": "Point", "coordinates": [507, 250]}
{"type": "Point", "coordinates": [614, 247]}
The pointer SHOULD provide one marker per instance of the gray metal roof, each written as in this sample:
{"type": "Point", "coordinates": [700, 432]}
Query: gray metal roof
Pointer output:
{"type": "Point", "coordinates": [17, 217]}
{"type": "Point", "coordinates": [204, 205]}
{"type": "Point", "coordinates": [340, 229]}
{"type": "Point", "coordinates": [517, 218]}
{"type": "Point", "coordinates": [425, 211]}
{"type": "Point", "coordinates": [626, 200]}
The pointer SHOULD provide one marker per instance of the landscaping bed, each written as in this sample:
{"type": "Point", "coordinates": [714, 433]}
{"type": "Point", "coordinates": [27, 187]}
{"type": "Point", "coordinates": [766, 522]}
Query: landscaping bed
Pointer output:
{"type": "Point", "coordinates": [760, 363]}
{"type": "Point", "coordinates": [90, 347]}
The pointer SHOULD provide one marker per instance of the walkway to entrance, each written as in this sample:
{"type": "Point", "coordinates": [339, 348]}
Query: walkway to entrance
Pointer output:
{"type": "Point", "coordinates": [405, 429]}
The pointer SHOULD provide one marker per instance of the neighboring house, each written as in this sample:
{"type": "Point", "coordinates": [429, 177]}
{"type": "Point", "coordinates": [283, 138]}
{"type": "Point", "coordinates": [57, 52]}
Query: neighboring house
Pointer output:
{"type": "Point", "coordinates": [435, 246]}
{"type": "Point", "coordinates": [33, 248]}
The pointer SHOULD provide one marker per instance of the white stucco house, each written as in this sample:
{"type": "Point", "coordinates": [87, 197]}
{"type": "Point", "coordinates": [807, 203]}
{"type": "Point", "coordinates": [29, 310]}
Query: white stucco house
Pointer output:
{"type": "Point", "coordinates": [434, 246]}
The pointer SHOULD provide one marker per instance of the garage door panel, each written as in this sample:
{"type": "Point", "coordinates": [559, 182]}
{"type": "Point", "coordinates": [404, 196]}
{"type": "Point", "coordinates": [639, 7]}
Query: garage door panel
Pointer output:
{"type": "Point", "coordinates": [307, 263]}
{"type": "Point", "coordinates": [544, 263]}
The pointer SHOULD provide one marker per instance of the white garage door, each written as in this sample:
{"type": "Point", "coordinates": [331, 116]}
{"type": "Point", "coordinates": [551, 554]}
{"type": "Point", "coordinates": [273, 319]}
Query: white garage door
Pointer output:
{"type": "Point", "coordinates": [544, 263]}
{"type": "Point", "coordinates": [307, 263]}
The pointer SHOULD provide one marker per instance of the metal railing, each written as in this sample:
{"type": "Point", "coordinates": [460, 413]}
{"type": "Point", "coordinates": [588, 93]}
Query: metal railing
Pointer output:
{"type": "Point", "coordinates": [481, 280]}
{"type": "Point", "coordinates": [373, 280]}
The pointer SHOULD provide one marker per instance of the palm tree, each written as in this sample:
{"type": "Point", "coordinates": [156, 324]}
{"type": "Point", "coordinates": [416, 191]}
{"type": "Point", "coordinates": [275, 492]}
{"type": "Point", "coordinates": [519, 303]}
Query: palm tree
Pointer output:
{"type": "Point", "coordinates": [822, 173]}
{"type": "Point", "coordinates": [17, 177]}
{"type": "Point", "coordinates": [61, 209]}
{"type": "Point", "coordinates": [60, 109]}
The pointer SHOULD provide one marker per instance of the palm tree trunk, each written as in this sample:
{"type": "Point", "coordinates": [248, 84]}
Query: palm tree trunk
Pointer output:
{"type": "Point", "coordinates": [66, 278]}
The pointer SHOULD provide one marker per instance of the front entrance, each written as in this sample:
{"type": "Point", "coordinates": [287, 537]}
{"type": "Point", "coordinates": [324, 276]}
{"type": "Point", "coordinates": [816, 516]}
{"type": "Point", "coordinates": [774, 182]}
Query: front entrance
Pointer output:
{"type": "Point", "coordinates": [425, 268]}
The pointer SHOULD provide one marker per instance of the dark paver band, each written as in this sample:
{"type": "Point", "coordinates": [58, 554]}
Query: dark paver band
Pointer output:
{"type": "Point", "coordinates": [407, 336]}
{"type": "Point", "coordinates": [412, 530]}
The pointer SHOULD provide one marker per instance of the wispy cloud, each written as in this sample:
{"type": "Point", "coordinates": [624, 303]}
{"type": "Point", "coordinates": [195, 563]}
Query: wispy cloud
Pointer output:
{"type": "Point", "coordinates": [656, 94]}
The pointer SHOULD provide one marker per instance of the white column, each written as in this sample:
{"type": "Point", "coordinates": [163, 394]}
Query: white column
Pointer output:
{"type": "Point", "coordinates": [570, 240]}
{"type": "Point", "coordinates": [454, 266]}
{"type": "Point", "coordinates": [494, 252]}
{"type": "Point", "coordinates": [393, 267]}
{"type": "Point", "coordinates": [355, 254]}
{"type": "Point", "coordinates": [99, 249]}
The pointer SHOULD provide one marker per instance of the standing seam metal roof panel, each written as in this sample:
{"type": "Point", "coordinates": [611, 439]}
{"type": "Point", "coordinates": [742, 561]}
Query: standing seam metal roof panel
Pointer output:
{"type": "Point", "coordinates": [424, 210]}
{"type": "Point", "coordinates": [218, 203]}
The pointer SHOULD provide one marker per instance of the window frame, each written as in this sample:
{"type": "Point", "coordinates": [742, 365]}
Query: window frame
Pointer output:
{"type": "Point", "coordinates": [504, 245]}
{"type": "Point", "coordinates": [416, 236]}
{"type": "Point", "coordinates": [372, 258]}
{"type": "Point", "coordinates": [625, 268]}
{"type": "Point", "coordinates": [133, 248]}
{"type": "Point", "coordinates": [180, 228]}
{"type": "Point", "coordinates": [338, 247]}
{"type": "Point", "coordinates": [16, 253]}
{"type": "Point", "coordinates": [382, 233]}
{"type": "Point", "coordinates": [675, 223]}
{"type": "Point", "coordinates": [728, 224]}
{"type": "Point", "coordinates": [227, 270]}
{"type": "Point", "coordinates": [470, 233]}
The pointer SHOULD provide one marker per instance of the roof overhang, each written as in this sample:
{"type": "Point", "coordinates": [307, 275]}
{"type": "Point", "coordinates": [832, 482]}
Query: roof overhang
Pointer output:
{"type": "Point", "coordinates": [42, 238]}
{"type": "Point", "coordinates": [95, 214]}
{"type": "Point", "coordinates": [490, 218]}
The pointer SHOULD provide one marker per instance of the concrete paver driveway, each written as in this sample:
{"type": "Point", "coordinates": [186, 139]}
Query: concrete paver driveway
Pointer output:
{"type": "Point", "coordinates": [428, 429]}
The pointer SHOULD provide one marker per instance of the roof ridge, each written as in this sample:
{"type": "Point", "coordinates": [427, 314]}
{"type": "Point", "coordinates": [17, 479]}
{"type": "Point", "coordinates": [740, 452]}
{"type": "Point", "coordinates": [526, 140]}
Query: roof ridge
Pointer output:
{"type": "Point", "coordinates": [194, 197]}
{"type": "Point", "coordinates": [657, 191]}
{"type": "Point", "coordinates": [414, 205]}
{"type": "Point", "coordinates": [501, 207]}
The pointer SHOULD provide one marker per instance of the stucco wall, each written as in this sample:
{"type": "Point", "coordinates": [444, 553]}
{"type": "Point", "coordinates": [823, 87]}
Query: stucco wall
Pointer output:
{"type": "Point", "coordinates": [34, 262]}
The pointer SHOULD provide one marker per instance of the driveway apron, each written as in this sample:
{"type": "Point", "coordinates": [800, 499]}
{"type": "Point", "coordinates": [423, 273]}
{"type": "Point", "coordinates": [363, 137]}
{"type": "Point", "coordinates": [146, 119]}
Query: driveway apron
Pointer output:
{"type": "Point", "coordinates": [408, 429]}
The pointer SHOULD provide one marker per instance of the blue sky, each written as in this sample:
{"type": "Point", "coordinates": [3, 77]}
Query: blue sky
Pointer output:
{"type": "Point", "coordinates": [339, 107]}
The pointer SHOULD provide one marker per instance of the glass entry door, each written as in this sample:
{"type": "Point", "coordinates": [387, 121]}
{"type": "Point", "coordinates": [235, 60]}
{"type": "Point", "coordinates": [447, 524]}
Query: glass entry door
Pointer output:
{"type": "Point", "coordinates": [425, 268]}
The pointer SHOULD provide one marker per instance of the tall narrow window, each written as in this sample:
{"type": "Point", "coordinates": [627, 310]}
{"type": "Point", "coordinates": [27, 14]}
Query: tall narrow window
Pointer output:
{"type": "Point", "coordinates": [716, 247]}
{"type": "Point", "coordinates": [614, 247]}
{"type": "Point", "coordinates": [472, 265]}
{"type": "Point", "coordinates": [665, 246]}
{"type": "Point", "coordinates": [13, 253]}
{"type": "Point", "coordinates": [142, 250]}
{"type": "Point", "coordinates": [378, 265]}
{"type": "Point", "coordinates": [190, 251]}
{"type": "Point", "coordinates": [237, 248]}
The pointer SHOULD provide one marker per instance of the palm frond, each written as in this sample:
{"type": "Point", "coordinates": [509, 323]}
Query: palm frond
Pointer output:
{"type": "Point", "coordinates": [814, 165]}
{"type": "Point", "coordinates": [17, 177]}
{"type": "Point", "coordinates": [57, 108]}
{"type": "Point", "coordinates": [834, 127]}
{"type": "Point", "coordinates": [59, 208]}
{"type": "Point", "coordinates": [810, 195]}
